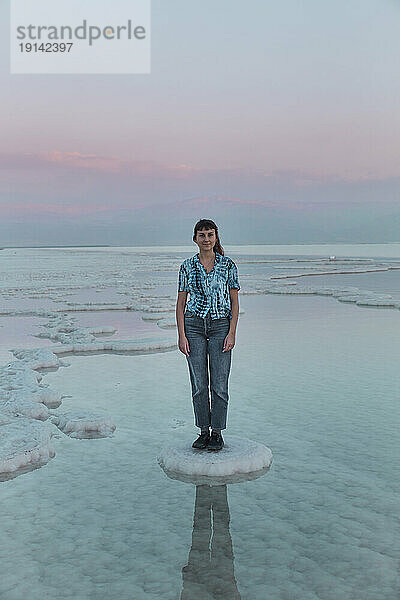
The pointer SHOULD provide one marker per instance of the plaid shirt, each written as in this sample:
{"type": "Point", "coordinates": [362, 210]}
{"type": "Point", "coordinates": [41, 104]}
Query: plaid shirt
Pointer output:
{"type": "Point", "coordinates": [209, 291]}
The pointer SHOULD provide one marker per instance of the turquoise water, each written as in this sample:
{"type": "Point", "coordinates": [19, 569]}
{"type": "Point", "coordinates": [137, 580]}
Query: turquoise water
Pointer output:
{"type": "Point", "coordinates": [315, 380]}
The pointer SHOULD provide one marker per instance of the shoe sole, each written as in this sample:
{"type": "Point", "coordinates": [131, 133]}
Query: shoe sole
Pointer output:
{"type": "Point", "coordinates": [200, 447]}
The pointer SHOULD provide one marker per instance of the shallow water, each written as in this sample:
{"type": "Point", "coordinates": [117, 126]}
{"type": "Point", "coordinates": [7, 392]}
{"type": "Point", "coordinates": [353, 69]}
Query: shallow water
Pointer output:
{"type": "Point", "coordinates": [18, 332]}
{"type": "Point", "coordinates": [387, 282]}
{"type": "Point", "coordinates": [314, 379]}
{"type": "Point", "coordinates": [127, 324]}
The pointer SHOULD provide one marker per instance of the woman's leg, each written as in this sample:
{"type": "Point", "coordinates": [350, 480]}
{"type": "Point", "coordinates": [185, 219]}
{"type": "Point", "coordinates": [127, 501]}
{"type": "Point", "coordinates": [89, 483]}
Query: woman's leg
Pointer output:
{"type": "Point", "coordinates": [198, 369]}
{"type": "Point", "coordinates": [220, 364]}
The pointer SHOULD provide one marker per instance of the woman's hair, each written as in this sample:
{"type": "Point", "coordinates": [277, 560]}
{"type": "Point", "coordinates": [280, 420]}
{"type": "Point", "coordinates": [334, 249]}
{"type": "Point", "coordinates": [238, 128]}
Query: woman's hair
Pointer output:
{"type": "Point", "coordinates": [208, 224]}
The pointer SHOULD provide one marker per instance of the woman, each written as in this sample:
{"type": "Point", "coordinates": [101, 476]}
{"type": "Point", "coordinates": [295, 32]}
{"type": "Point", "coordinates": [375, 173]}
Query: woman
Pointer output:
{"type": "Point", "coordinates": [207, 329]}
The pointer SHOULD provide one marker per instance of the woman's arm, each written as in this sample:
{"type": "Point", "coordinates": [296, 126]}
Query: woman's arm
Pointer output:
{"type": "Point", "coordinates": [180, 308]}
{"type": "Point", "coordinates": [229, 341]}
{"type": "Point", "coordinates": [180, 322]}
{"type": "Point", "coordinates": [233, 293]}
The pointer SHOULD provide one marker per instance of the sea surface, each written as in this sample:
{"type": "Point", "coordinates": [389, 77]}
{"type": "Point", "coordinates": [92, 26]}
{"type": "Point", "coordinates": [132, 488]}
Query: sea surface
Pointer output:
{"type": "Point", "coordinates": [315, 377]}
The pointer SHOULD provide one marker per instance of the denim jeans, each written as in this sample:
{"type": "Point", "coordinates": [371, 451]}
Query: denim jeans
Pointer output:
{"type": "Point", "coordinates": [209, 367]}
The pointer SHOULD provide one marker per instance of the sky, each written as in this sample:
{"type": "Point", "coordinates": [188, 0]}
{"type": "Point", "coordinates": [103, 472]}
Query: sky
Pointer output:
{"type": "Point", "coordinates": [278, 120]}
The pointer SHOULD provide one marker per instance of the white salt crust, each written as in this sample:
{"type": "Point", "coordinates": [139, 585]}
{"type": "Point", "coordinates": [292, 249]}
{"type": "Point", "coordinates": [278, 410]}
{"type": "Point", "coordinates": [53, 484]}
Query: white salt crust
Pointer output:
{"type": "Point", "coordinates": [239, 459]}
{"type": "Point", "coordinates": [26, 428]}
{"type": "Point", "coordinates": [83, 424]}
{"type": "Point", "coordinates": [24, 442]}
{"type": "Point", "coordinates": [116, 346]}
{"type": "Point", "coordinates": [167, 323]}
{"type": "Point", "coordinates": [23, 394]}
{"type": "Point", "coordinates": [26, 423]}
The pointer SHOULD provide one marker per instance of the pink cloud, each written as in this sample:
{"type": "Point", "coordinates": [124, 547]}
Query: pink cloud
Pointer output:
{"type": "Point", "coordinates": [209, 201]}
{"type": "Point", "coordinates": [113, 165]}
{"type": "Point", "coordinates": [93, 162]}
{"type": "Point", "coordinates": [81, 161]}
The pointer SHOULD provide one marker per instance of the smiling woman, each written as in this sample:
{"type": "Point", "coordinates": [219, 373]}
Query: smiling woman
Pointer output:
{"type": "Point", "coordinates": [207, 329]}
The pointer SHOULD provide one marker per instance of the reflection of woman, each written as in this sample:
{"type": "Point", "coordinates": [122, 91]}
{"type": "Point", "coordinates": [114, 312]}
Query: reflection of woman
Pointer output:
{"type": "Point", "coordinates": [210, 571]}
{"type": "Point", "coordinates": [207, 329]}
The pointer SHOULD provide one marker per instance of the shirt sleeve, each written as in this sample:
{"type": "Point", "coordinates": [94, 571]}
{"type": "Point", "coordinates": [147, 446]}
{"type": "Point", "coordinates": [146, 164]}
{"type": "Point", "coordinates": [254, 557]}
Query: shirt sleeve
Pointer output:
{"type": "Point", "coordinates": [233, 279]}
{"type": "Point", "coordinates": [182, 280]}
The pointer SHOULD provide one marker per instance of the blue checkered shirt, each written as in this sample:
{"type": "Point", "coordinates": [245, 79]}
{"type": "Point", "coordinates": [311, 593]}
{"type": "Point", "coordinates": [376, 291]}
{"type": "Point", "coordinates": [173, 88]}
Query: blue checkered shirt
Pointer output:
{"type": "Point", "coordinates": [209, 292]}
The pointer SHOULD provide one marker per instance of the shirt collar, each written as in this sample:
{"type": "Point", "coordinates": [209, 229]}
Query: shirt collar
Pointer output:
{"type": "Point", "coordinates": [217, 258]}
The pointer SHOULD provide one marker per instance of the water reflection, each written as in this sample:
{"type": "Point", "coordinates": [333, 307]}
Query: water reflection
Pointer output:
{"type": "Point", "coordinates": [209, 573]}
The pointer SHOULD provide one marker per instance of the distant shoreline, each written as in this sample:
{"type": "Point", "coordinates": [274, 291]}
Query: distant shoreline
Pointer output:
{"type": "Point", "coordinates": [235, 245]}
{"type": "Point", "coordinates": [67, 246]}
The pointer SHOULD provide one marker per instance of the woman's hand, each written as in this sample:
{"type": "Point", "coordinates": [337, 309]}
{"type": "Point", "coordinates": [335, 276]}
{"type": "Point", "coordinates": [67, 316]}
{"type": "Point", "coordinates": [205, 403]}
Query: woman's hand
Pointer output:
{"type": "Point", "coordinates": [184, 345]}
{"type": "Point", "coordinates": [229, 342]}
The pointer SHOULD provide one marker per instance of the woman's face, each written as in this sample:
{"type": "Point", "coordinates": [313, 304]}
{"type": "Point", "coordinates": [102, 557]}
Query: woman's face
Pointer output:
{"type": "Point", "coordinates": [205, 239]}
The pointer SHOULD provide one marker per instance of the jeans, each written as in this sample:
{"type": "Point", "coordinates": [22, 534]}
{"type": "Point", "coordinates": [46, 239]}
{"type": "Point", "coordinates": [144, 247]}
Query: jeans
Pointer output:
{"type": "Point", "coordinates": [206, 341]}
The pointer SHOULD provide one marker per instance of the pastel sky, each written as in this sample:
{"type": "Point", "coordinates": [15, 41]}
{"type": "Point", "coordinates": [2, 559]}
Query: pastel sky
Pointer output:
{"type": "Point", "coordinates": [278, 120]}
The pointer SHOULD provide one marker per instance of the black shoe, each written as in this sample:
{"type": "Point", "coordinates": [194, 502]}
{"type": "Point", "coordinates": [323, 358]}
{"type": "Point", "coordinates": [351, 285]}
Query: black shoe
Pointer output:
{"type": "Point", "coordinates": [202, 441]}
{"type": "Point", "coordinates": [216, 442]}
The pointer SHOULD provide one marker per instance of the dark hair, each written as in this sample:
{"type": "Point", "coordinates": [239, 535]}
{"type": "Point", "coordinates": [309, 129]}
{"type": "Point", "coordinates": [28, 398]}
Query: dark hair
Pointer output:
{"type": "Point", "coordinates": [208, 224]}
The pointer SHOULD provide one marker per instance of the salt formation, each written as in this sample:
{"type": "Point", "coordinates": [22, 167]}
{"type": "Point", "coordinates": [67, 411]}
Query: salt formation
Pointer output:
{"type": "Point", "coordinates": [24, 442]}
{"type": "Point", "coordinates": [153, 316]}
{"type": "Point", "coordinates": [62, 328]}
{"type": "Point", "coordinates": [25, 432]}
{"type": "Point", "coordinates": [68, 337]}
{"type": "Point", "coordinates": [25, 427]}
{"type": "Point", "coordinates": [79, 307]}
{"type": "Point", "coordinates": [342, 294]}
{"type": "Point", "coordinates": [167, 323]}
{"type": "Point", "coordinates": [381, 301]}
{"type": "Point", "coordinates": [26, 424]}
{"type": "Point", "coordinates": [140, 346]}
{"type": "Point", "coordinates": [21, 393]}
{"type": "Point", "coordinates": [83, 424]}
{"type": "Point", "coordinates": [37, 358]}
{"type": "Point", "coordinates": [240, 459]}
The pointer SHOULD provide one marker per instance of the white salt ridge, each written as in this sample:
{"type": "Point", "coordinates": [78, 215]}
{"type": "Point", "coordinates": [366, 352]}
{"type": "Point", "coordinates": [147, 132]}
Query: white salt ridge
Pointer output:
{"type": "Point", "coordinates": [96, 307]}
{"type": "Point", "coordinates": [62, 328]}
{"type": "Point", "coordinates": [138, 346]}
{"type": "Point", "coordinates": [24, 408]}
{"type": "Point", "coordinates": [153, 316]}
{"type": "Point", "coordinates": [101, 329]}
{"type": "Point", "coordinates": [155, 309]}
{"type": "Point", "coordinates": [322, 261]}
{"type": "Point", "coordinates": [37, 358]}
{"type": "Point", "coordinates": [256, 292]}
{"type": "Point", "coordinates": [379, 301]}
{"type": "Point", "coordinates": [22, 312]}
{"type": "Point", "coordinates": [24, 442]}
{"type": "Point", "coordinates": [335, 272]}
{"type": "Point", "coordinates": [83, 424]}
{"type": "Point", "coordinates": [21, 392]}
{"type": "Point", "coordinates": [25, 401]}
{"type": "Point", "coordinates": [25, 429]}
{"type": "Point", "coordinates": [96, 304]}
{"type": "Point", "coordinates": [362, 298]}
{"type": "Point", "coordinates": [239, 456]}
{"type": "Point", "coordinates": [167, 323]}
